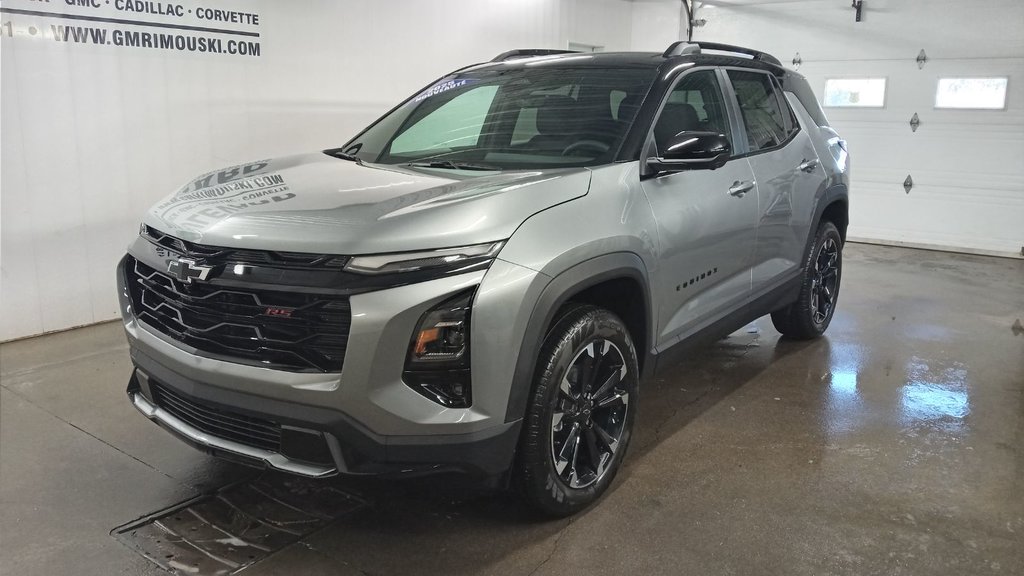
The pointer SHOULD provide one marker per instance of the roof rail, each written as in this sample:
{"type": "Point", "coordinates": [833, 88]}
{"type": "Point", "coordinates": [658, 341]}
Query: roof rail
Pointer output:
{"type": "Point", "coordinates": [683, 47]}
{"type": "Point", "coordinates": [527, 53]}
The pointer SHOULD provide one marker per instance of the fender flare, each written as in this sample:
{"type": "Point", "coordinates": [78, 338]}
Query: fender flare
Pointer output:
{"type": "Point", "coordinates": [584, 275]}
{"type": "Point", "coordinates": [832, 194]}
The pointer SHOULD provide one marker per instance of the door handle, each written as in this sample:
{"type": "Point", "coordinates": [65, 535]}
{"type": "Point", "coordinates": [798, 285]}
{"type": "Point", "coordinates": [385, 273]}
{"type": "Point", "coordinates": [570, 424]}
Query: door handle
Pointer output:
{"type": "Point", "coordinates": [738, 189]}
{"type": "Point", "coordinates": [808, 165]}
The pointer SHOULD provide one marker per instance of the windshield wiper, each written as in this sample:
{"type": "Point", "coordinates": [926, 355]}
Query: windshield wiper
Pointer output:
{"type": "Point", "coordinates": [450, 165]}
{"type": "Point", "coordinates": [339, 153]}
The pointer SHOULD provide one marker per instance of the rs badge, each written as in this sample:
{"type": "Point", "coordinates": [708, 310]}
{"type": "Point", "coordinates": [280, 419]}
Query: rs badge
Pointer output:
{"type": "Point", "coordinates": [187, 270]}
{"type": "Point", "coordinates": [279, 311]}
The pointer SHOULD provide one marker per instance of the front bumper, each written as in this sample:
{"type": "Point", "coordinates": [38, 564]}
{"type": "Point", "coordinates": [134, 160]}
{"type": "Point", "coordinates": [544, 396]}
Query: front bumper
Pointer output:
{"type": "Point", "coordinates": [215, 444]}
{"type": "Point", "coordinates": [349, 448]}
{"type": "Point", "coordinates": [368, 419]}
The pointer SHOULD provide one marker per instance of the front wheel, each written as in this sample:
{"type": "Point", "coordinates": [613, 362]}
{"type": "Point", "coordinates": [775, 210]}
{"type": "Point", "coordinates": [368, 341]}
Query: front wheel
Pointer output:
{"type": "Point", "coordinates": [581, 412]}
{"type": "Point", "coordinates": [811, 314]}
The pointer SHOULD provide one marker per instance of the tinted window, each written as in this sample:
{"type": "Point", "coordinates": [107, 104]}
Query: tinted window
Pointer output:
{"type": "Point", "coordinates": [528, 117]}
{"type": "Point", "coordinates": [695, 104]}
{"type": "Point", "coordinates": [526, 120]}
{"type": "Point", "coordinates": [792, 124]}
{"type": "Point", "coordinates": [759, 105]}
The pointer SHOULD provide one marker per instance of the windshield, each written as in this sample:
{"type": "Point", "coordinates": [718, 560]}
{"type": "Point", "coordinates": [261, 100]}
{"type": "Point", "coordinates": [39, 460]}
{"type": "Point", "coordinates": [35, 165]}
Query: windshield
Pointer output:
{"type": "Point", "coordinates": [520, 118]}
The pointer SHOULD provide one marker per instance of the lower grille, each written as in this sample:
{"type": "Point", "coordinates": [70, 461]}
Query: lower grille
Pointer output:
{"type": "Point", "coordinates": [247, 430]}
{"type": "Point", "coordinates": [282, 329]}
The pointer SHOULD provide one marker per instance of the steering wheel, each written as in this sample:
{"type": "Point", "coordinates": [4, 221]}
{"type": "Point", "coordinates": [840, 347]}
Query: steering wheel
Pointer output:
{"type": "Point", "coordinates": [597, 145]}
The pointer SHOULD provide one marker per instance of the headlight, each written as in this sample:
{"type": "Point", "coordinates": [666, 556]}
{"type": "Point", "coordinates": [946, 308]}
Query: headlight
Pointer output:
{"type": "Point", "coordinates": [437, 365]}
{"type": "Point", "coordinates": [441, 335]}
{"type": "Point", "coordinates": [454, 258]}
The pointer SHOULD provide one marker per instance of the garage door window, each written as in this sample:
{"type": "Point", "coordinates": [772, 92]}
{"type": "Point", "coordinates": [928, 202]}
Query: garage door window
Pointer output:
{"type": "Point", "coordinates": [971, 93]}
{"type": "Point", "coordinates": [855, 92]}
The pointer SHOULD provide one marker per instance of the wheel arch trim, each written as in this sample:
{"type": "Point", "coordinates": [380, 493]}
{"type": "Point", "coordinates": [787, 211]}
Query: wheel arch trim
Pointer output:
{"type": "Point", "coordinates": [828, 197]}
{"type": "Point", "coordinates": [586, 274]}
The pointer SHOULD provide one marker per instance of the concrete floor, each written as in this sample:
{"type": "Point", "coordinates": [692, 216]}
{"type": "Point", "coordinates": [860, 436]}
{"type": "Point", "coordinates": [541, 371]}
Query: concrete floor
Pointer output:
{"type": "Point", "coordinates": [895, 445]}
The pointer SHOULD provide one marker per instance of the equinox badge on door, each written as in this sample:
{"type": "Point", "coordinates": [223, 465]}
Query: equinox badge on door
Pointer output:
{"type": "Point", "coordinates": [187, 270]}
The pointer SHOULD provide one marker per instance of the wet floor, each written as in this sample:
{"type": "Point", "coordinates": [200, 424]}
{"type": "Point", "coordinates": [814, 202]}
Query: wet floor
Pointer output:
{"type": "Point", "coordinates": [892, 446]}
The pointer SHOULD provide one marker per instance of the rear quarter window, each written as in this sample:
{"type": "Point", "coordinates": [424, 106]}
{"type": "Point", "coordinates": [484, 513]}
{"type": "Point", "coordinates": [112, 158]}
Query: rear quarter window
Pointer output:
{"type": "Point", "coordinates": [802, 90]}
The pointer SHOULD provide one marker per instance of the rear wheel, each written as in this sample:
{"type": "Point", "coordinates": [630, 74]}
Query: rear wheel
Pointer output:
{"type": "Point", "coordinates": [581, 412]}
{"type": "Point", "coordinates": [811, 314]}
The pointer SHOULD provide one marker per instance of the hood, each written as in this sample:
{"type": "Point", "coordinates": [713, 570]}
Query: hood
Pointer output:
{"type": "Point", "coordinates": [317, 203]}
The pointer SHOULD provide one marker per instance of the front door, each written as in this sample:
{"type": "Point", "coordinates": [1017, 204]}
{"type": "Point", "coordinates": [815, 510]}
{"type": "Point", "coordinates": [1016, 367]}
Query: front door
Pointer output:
{"type": "Point", "coordinates": [707, 219]}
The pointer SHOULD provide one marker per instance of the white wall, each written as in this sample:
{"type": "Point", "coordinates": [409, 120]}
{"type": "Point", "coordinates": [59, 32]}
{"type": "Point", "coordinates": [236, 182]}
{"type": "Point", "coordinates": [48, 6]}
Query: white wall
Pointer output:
{"type": "Point", "coordinates": [968, 166]}
{"type": "Point", "coordinates": [93, 134]}
{"type": "Point", "coordinates": [656, 24]}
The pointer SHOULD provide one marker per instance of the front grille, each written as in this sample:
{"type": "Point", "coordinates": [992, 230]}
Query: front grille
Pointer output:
{"type": "Point", "coordinates": [219, 255]}
{"type": "Point", "coordinates": [307, 333]}
{"type": "Point", "coordinates": [255, 432]}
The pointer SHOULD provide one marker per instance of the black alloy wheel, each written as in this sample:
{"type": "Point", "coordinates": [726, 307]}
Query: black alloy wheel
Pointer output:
{"type": "Point", "coordinates": [580, 415]}
{"type": "Point", "coordinates": [825, 281]}
{"type": "Point", "coordinates": [589, 415]}
{"type": "Point", "coordinates": [812, 312]}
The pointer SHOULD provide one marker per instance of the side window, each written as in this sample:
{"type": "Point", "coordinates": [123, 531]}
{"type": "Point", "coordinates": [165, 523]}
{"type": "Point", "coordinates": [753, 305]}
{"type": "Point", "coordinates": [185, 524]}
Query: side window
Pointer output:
{"type": "Point", "coordinates": [799, 87]}
{"type": "Point", "coordinates": [762, 117]}
{"type": "Point", "coordinates": [695, 104]}
{"type": "Point", "coordinates": [792, 123]}
{"type": "Point", "coordinates": [691, 97]}
{"type": "Point", "coordinates": [456, 124]}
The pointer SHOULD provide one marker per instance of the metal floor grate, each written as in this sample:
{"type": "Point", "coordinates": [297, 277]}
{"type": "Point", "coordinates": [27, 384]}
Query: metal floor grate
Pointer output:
{"type": "Point", "coordinates": [224, 532]}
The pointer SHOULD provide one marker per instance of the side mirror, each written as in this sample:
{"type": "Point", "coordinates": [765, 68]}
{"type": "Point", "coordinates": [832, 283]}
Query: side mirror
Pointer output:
{"type": "Point", "coordinates": [692, 150]}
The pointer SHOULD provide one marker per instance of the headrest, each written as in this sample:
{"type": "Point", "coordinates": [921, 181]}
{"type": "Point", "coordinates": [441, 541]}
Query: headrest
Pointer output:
{"type": "Point", "coordinates": [675, 118]}
{"type": "Point", "coordinates": [558, 115]}
{"type": "Point", "coordinates": [629, 106]}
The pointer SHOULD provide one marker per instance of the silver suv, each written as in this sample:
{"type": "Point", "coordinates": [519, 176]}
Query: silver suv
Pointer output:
{"type": "Point", "coordinates": [480, 279]}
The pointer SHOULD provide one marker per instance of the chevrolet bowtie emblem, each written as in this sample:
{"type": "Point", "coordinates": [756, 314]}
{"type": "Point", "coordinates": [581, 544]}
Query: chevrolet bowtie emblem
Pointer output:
{"type": "Point", "coordinates": [187, 270]}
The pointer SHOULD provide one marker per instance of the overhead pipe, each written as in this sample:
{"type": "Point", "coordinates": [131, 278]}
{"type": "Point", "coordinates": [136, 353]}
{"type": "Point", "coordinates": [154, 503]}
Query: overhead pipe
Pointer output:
{"type": "Point", "coordinates": [686, 15]}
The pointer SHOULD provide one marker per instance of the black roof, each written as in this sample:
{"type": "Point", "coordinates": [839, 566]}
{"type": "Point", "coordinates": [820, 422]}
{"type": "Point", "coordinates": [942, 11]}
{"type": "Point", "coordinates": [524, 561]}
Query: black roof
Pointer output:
{"type": "Point", "coordinates": [628, 60]}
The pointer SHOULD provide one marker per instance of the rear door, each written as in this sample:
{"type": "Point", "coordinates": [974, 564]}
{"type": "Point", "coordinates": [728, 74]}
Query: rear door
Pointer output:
{"type": "Point", "coordinates": [707, 219]}
{"type": "Point", "coordinates": [787, 172]}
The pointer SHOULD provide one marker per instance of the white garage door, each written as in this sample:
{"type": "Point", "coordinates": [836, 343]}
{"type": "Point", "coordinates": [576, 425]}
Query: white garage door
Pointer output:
{"type": "Point", "coordinates": [967, 166]}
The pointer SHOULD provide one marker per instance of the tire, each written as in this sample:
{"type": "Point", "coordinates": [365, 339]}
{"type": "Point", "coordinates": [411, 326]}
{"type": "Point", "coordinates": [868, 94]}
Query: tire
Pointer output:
{"type": "Point", "coordinates": [811, 314]}
{"type": "Point", "coordinates": [585, 388]}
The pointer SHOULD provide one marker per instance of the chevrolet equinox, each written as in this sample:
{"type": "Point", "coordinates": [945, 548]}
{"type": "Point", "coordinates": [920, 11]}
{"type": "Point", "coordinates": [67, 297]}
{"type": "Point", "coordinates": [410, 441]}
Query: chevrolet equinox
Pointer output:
{"type": "Point", "coordinates": [480, 279]}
